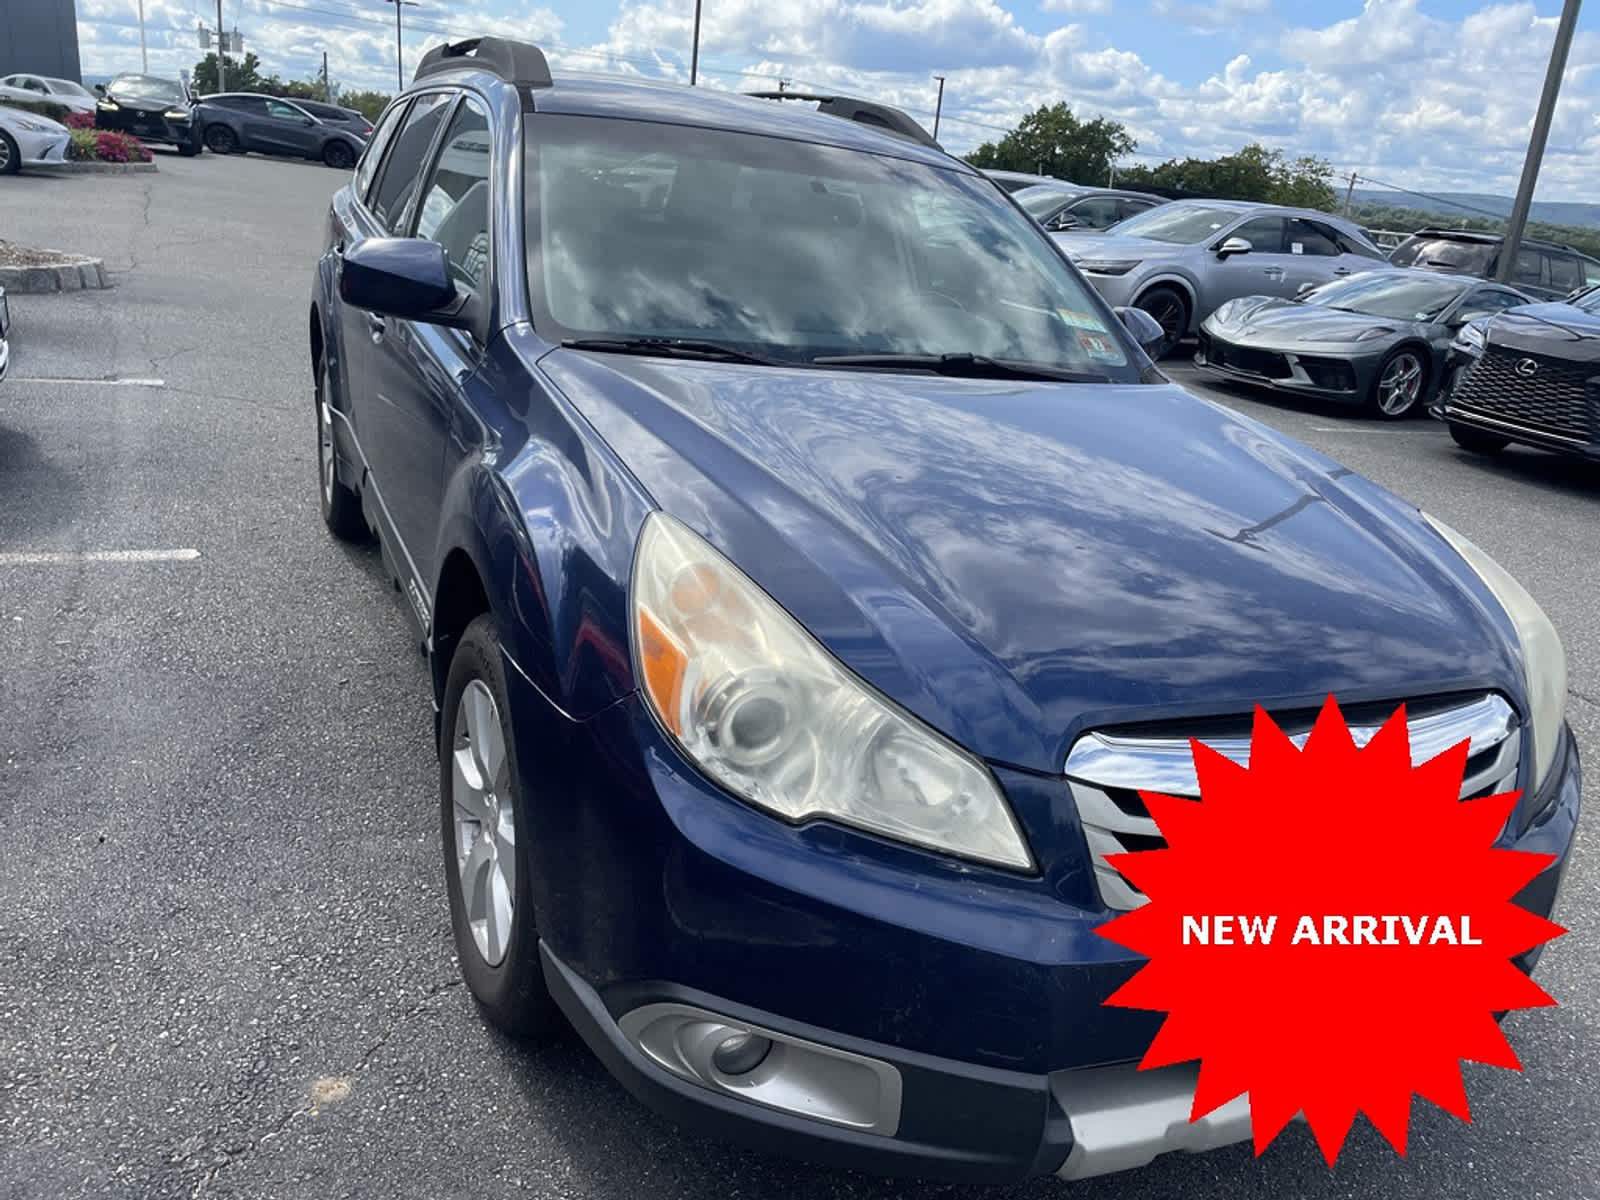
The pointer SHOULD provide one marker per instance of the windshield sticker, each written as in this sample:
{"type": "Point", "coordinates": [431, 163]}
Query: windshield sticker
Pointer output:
{"type": "Point", "coordinates": [1100, 348]}
{"type": "Point", "coordinates": [1297, 247]}
{"type": "Point", "coordinates": [1081, 320]}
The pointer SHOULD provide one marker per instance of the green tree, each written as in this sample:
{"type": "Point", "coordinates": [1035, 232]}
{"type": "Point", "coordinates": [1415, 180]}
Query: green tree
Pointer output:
{"type": "Point", "coordinates": [1052, 141]}
{"type": "Point", "coordinates": [242, 76]}
{"type": "Point", "coordinates": [1253, 173]}
{"type": "Point", "coordinates": [370, 104]}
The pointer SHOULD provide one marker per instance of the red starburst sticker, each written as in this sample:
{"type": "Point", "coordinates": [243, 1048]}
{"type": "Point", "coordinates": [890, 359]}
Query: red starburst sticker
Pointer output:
{"type": "Point", "coordinates": [1330, 930]}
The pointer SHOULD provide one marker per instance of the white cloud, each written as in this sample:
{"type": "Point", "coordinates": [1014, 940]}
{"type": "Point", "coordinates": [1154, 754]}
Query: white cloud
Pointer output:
{"type": "Point", "coordinates": [1076, 7]}
{"type": "Point", "coordinates": [1214, 17]}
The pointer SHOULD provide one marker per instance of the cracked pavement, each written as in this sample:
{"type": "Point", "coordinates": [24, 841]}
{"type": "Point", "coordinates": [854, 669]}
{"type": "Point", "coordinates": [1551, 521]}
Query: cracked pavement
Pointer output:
{"type": "Point", "coordinates": [225, 962]}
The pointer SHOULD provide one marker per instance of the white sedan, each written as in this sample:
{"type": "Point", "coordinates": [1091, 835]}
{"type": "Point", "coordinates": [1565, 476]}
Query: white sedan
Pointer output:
{"type": "Point", "coordinates": [29, 140]}
{"type": "Point", "coordinates": [44, 89]}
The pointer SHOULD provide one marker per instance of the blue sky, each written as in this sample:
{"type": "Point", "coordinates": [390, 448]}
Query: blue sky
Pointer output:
{"type": "Point", "coordinates": [1425, 93]}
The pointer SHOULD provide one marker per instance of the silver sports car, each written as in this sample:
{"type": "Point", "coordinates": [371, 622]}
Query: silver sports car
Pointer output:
{"type": "Point", "coordinates": [1378, 338]}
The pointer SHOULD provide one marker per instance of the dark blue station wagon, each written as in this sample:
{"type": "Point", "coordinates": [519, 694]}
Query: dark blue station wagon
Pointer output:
{"type": "Point", "coordinates": [813, 569]}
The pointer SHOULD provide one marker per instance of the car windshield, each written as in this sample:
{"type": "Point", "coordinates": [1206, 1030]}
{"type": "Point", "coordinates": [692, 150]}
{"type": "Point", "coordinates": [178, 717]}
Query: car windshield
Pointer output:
{"type": "Point", "coordinates": [1042, 201]}
{"type": "Point", "coordinates": [1394, 297]}
{"type": "Point", "coordinates": [1181, 224]}
{"type": "Point", "coordinates": [68, 88]}
{"type": "Point", "coordinates": [1474, 258]}
{"type": "Point", "coordinates": [794, 251]}
{"type": "Point", "coordinates": [147, 85]}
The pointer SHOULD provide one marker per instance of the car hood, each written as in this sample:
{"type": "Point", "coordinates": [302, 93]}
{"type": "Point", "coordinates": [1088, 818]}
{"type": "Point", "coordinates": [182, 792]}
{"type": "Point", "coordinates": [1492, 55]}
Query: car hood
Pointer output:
{"type": "Point", "coordinates": [1110, 245]}
{"type": "Point", "coordinates": [1016, 562]}
{"type": "Point", "coordinates": [140, 99]}
{"type": "Point", "coordinates": [1272, 317]}
{"type": "Point", "coordinates": [25, 115]}
{"type": "Point", "coordinates": [1550, 320]}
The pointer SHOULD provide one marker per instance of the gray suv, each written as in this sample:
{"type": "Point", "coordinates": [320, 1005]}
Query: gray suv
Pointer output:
{"type": "Point", "coordinates": [1180, 261]}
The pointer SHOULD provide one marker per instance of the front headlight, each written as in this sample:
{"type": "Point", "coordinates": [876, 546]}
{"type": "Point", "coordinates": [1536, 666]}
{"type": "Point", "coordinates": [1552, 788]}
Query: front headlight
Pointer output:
{"type": "Point", "coordinates": [1544, 662]}
{"type": "Point", "coordinates": [1470, 338]}
{"type": "Point", "coordinates": [33, 126]}
{"type": "Point", "coordinates": [1377, 331]}
{"type": "Point", "coordinates": [176, 114]}
{"type": "Point", "coordinates": [1107, 266]}
{"type": "Point", "coordinates": [759, 706]}
{"type": "Point", "coordinates": [106, 105]}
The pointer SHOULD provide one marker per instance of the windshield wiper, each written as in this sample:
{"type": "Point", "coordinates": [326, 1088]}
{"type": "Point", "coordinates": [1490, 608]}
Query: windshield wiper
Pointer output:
{"type": "Point", "coordinates": [965, 366]}
{"type": "Point", "coordinates": [669, 347]}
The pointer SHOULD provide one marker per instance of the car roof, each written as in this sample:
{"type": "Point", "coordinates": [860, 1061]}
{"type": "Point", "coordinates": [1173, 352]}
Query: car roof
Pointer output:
{"type": "Point", "coordinates": [590, 95]}
{"type": "Point", "coordinates": [1487, 237]}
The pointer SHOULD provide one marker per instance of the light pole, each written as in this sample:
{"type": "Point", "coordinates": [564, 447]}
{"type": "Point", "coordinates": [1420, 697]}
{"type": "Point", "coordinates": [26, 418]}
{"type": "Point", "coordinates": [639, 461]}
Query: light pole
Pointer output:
{"type": "Point", "coordinates": [144, 55]}
{"type": "Point", "coordinates": [399, 53]}
{"type": "Point", "coordinates": [694, 51]}
{"type": "Point", "coordinates": [938, 107]}
{"type": "Point", "coordinates": [1541, 131]}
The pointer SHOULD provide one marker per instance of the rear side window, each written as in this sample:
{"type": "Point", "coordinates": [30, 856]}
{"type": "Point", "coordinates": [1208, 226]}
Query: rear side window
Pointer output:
{"type": "Point", "coordinates": [1308, 237]}
{"type": "Point", "coordinates": [1564, 273]}
{"type": "Point", "coordinates": [1591, 271]}
{"type": "Point", "coordinates": [455, 202]}
{"type": "Point", "coordinates": [1529, 268]}
{"type": "Point", "coordinates": [397, 178]}
{"type": "Point", "coordinates": [368, 166]}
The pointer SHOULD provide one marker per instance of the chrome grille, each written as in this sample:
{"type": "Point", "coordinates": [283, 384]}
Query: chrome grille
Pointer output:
{"type": "Point", "coordinates": [1107, 770]}
{"type": "Point", "coordinates": [1554, 399]}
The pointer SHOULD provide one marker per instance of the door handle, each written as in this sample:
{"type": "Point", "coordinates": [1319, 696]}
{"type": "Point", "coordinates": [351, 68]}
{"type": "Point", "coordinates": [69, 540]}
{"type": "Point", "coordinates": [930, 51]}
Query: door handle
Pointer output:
{"type": "Point", "coordinates": [1273, 272]}
{"type": "Point", "coordinates": [1341, 270]}
{"type": "Point", "coordinates": [376, 325]}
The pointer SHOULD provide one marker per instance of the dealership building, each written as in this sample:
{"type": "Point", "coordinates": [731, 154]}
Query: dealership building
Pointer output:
{"type": "Point", "coordinates": [40, 37]}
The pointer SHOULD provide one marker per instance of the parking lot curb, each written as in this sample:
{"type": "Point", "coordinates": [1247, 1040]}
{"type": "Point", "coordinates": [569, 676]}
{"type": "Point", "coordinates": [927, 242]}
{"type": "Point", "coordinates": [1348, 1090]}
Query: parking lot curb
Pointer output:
{"type": "Point", "coordinates": [78, 275]}
{"type": "Point", "coordinates": [100, 168]}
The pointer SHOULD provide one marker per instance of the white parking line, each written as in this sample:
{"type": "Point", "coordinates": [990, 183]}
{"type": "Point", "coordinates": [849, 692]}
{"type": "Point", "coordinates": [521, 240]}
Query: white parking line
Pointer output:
{"type": "Point", "coordinates": [131, 382]}
{"type": "Point", "coordinates": [1355, 429]}
{"type": "Point", "coordinates": [51, 558]}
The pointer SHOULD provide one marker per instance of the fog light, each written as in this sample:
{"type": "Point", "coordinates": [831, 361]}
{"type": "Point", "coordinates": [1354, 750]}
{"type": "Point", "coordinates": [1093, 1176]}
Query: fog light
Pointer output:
{"type": "Point", "coordinates": [741, 1054]}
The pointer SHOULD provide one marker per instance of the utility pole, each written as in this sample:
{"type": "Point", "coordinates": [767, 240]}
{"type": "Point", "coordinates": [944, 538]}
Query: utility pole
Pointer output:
{"type": "Point", "coordinates": [694, 51]}
{"type": "Point", "coordinates": [222, 70]}
{"type": "Point", "coordinates": [399, 54]}
{"type": "Point", "coordinates": [1541, 132]}
{"type": "Point", "coordinates": [144, 55]}
{"type": "Point", "coordinates": [326, 95]}
{"type": "Point", "coordinates": [938, 107]}
{"type": "Point", "coordinates": [1349, 192]}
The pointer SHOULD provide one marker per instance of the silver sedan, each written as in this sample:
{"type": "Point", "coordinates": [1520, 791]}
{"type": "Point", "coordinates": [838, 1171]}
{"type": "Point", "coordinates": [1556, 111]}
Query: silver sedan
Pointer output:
{"type": "Point", "coordinates": [1181, 261]}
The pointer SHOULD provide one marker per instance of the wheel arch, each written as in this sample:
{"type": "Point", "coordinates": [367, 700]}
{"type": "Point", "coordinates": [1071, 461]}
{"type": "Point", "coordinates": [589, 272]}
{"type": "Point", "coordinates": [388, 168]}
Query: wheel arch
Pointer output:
{"type": "Point", "coordinates": [1179, 283]}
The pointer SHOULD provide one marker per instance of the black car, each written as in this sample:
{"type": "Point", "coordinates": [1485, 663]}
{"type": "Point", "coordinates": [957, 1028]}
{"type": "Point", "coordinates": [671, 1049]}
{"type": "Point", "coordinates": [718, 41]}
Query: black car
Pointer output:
{"type": "Point", "coordinates": [1545, 270]}
{"type": "Point", "coordinates": [334, 114]}
{"type": "Point", "coordinates": [1527, 376]}
{"type": "Point", "coordinates": [241, 122]}
{"type": "Point", "coordinates": [1059, 206]}
{"type": "Point", "coordinates": [152, 109]}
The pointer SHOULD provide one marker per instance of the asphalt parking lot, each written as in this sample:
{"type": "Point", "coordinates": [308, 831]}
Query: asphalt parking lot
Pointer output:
{"type": "Point", "coordinates": [225, 959]}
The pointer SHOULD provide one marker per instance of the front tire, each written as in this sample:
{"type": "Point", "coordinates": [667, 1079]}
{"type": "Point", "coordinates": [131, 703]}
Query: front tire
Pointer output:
{"type": "Point", "coordinates": [1170, 308]}
{"type": "Point", "coordinates": [191, 147]}
{"type": "Point", "coordinates": [10, 155]}
{"type": "Point", "coordinates": [338, 156]}
{"type": "Point", "coordinates": [341, 506]}
{"type": "Point", "coordinates": [1400, 386]}
{"type": "Point", "coordinates": [220, 140]}
{"type": "Point", "coordinates": [486, 852]}
{"type": "Point", "coordinates": [1476, 440]}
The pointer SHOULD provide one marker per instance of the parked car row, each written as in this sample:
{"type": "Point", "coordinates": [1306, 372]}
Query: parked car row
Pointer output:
{"type": "Point", "coordinates": [29, 140]}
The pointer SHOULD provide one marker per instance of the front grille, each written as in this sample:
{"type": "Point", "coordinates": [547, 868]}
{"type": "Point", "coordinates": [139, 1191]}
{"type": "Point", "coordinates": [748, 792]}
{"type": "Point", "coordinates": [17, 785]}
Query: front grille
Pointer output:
{"type": "Point", "coordinates": [1107, 770]}
{"type": "Point", "coordinates": [1242, 358]}
{"type": "Point", "coordinates": [1555, 399]}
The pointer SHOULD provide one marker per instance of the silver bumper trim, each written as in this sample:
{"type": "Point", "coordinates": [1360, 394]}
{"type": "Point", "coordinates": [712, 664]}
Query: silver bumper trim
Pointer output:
{"type": "Point", "coordinates": [1123, 1117]}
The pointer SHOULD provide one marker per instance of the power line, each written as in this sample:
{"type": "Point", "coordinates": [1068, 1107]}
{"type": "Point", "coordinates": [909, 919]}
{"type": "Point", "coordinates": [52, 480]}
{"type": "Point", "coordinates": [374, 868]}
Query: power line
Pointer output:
{"type": "Point", "coordinates": [1395, 187]}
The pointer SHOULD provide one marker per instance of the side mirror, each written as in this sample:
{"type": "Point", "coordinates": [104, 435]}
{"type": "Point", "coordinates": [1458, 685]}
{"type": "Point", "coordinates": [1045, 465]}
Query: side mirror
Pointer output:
{"type": "Point", "coordinates": [1061, 222]}
{"type": "Point", "coordinates": [1305, 289]}
{"type": "Point", "coordinates": [402, 277]}
{"type": "Point", "coordinates": [1146, 330]}
{"type": "Point", "coordinates": [307, 122]}
{"type": "Point", "coordinates": [1234, 245]}
{"type": "Point", "coordinates": [99, 89]}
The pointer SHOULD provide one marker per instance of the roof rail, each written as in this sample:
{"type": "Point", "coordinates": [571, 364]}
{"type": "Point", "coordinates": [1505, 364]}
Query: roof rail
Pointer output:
{"type": "Point", "coordinates": [864, 112]}
{"type": "Point", "coordinates": [519, 63]}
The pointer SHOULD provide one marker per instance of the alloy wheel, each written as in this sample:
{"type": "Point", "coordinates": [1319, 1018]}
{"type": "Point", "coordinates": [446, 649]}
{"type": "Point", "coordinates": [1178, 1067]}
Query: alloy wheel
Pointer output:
{"type": "Point", "coordinates": [485, 822]}
{"type": "Point", "coordinates": [5, 155]}
{"type": "Point", "coordinates": [325, 450]}
{"type": "Point", "coordinates": [1401, 384]}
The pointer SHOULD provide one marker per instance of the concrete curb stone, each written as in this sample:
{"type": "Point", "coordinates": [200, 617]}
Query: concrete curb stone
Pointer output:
{"type": "Point", "coordinates": [98, 168]}
{"type": "Point", "coordinates": [79, 274]}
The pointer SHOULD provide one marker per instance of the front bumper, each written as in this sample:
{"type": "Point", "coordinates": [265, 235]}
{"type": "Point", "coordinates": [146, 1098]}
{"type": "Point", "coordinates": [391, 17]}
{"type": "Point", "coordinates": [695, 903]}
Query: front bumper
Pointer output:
{"type": "Point", "coordinates": [146, 125]}
{"type": "Point", "coordinates": [929, 1019]}
{"type": "Point", "coordinates": [1328, 372]}
{"type": "Point", "coordinates": [1446, 407]}
{"type": "Point", "coordinates": [43, 149]}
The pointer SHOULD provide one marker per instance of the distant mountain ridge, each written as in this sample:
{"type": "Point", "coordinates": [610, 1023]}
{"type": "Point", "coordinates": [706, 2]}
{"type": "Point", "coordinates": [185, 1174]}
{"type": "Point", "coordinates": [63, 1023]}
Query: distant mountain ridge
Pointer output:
{"type": "Point", "coordinates": [1552, 212]}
